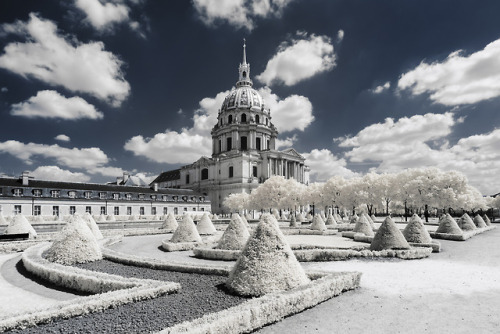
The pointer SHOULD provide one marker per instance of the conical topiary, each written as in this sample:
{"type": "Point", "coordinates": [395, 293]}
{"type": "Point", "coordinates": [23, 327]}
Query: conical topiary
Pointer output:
{"type": "Point", "coordinates": [369, 219]}
{"type": "Point", "coordinates": [276, 214]}
{"type": "Point", "coordinates": [363, 226]}
{"type": "Point", "coordinates": [293, 221]}
{"type": "Point", "coordinates": [389, 237]}
{"type": "Point", "coordinates": [205, 226]}
{"type": "Point", "coordinates": [266, 264]}
{"type": "Point", "coordinates": [466, 223]}
{"type": "Point", "coordinates": [479, 222]}
{"type": "Point", "coordinates": [300, 218]}
{"type": "Point", "coordinates": [374, 219]}
{"type": "Point", "coordinates": [416, 232]}
{"type": "Point", "coordinates": [235, 236]}
{"type": "Point", "coordinates": [92, 225]}
{"type": "Point", "coordinates": [245, 221]}
{"type": "Point", "coordinates": [38, 219]}
{"type": "Point", "coordinates": [170, 223]}
{"type": "Point", "coordinates": [186, 231]}
{"type": "Point", "coordinates": [330, 221]}
{"type": "Point", "coordinates": [248, 217]}
{"type": "Point", "coordinates": [111, 218]}
{"type": "Point", "coordinates": [3, 221]}
{"type": "Point", "coordinates": [338, 219]}
{"type": "Point", "coordinates": [102, 218]}
{"type": "Point", "coordinates": [354, 219]}
{"type": "Point", "coordinates": [215, 217]}
{"type": "Point", "coordinates": [76, 244]}
{"type": "Point", "coordinates": [20, 224]}
{"type": "Point", "coordinates": [448, 225]}
{"type": "Point", "coordinates": [318, 223]}
{"type": "Point", "coordinates": [487, 220]}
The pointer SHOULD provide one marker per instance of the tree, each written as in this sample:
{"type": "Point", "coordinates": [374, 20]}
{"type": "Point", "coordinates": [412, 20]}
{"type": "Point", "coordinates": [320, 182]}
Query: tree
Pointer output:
{"type": "Point", "coordinates": [237, 202]}
{"type": "Point", "coordinates": [271, 194]}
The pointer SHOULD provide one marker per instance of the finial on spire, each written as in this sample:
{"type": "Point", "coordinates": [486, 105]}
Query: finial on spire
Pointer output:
{"type": "Point", "coordinates": [244, 51]}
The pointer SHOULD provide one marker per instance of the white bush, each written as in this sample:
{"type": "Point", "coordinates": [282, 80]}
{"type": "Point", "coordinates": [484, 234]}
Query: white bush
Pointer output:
{"type": "Point", "coordinates": [205, 226]}
{"type": "Point", "coordinates": [169, 222]}
{"type": "Point", "coordinates": [92, 225]}
{"type": "Point", "coordinates": [20, 224]}
{"type": "Point", "coordinates": [235, 236]}
{"type": "Point", "coordinates": [388, 237]}
{"type": "Point", "coordinates": [318, 224]}
{"type": "Point", "coordinates": [186, 231]}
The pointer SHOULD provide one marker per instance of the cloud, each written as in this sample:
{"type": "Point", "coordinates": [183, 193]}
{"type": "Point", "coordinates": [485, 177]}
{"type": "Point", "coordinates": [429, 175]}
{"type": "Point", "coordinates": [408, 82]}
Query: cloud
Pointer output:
{"type": "Point", "coordinates": [51, 104]}
{"type": "Point", "coordinates": [84, 158]}
{"type": "Point", "coordinates": [458, 79]}
{"type": "Point", "coordinates": [103, 16]}
{"type": "Point", "coordinates": [238, 13]}
{"type": "Point", "coordinates": [340, 36]}
{"type": "Point", "coordinates": [324, 164]}
{"type": "Point", "coordinates": [64, 61]}
{"type": "Point", "coordinates": [54, 173]}
{"type": "Point", "coordinates": [381, 88]}
{"type": "Point", "coordinates": [62, 137]}
{"type": "Point", "coordinates": [4, 90]}
{"type": "Point", "coordinates": [285, 143]}
{"type": "Point", "coordinates": [421, 141]}
{"type": "Point", "coordinates": [299, 59]}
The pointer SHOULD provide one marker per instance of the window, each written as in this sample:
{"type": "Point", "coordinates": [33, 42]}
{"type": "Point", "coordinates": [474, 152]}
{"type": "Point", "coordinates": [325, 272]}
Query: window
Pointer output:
{"type": "Point", "coordinates": [244, 143]}
{"type": "Point", "coordinates": [72, 210]}
{"type": "Point", "coordinates": [165, 210]}
{"type": "Point", "coordinates": [55, 194]}
{"type": "Point", "coordinates": [129, 210]}
{"type": "Point", "coordinates": [164, 198]}
{"type": "Point", "coordinates": [17, 209]}
{"type": "Point", "coordinates": [141, 196]}
{"type": "Point", "coordinates": [37, 192]}
{"type": "Point", "coordinates": [220, 145]}
{"type": "Point", "coordinates": [268, 145]}
{"type": "Point", "coordinates": [176, 211]}
{"type": "Point", "coordinates": [187, 178]}
{"type": "Point", "coordinates": [202, 199]}
{"type": "Point", "coordinates": [194, 209]}
{"type": "Point", "coordinates": [72, 194]}
{"type": "Point", "coordinates": [141, 211]}
{"type": "Point", "coordinates": [116, 196]}
{"type": "Point", "coordinates": [87, 194]}
{"type": "Point", "coordinates": [202, 209]}
{"type": "Point", "coordinates": [88, 209]}
{"type": "Point", "coordinates": [37, 210]}
{"type": "Point", "coordinates": [243, 118]}
{"type": "Point", "coordinates": [17, 192]}
{"type": "Point", "coordinates": [175, 198]}
{"type": "Point", "coordinates": [229, 142]}
{"type": "Point", "coordinates": [257, 119]}
{"type": "Point", "coordinates": [254, 171]}
{"type": "Point", "coordinates": [103, 210]}
{"type": "Point", "coordinates": [153, 197]}
{"type": "Point", "coordinates": [128, 197]}
{"type": "Point", "coordinates": [153, 210]}
{"type": "Point", "coordinates": [231, 171]}
{"type": "Point", "coordinates": [267, 122]}
{"type": "Point", "coordinates": [185, 209]}
{"type": "Point", "coordinates": [55, 211]}
{"type": "Point", "coordinates": [257, 144]}
{"type": "Point", "coordinates": [229, 119]}
{"type": "Point", "coordinates": [102, 195]}
{"type": "Point", "coordinates": [116, 211]}
{"type": "Point", "coordinates": [204, 174]}
{"type": "Point", "coordinates": [184, 198]}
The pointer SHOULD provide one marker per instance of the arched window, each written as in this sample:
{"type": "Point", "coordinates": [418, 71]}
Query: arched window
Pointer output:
{"type": "Point", "coordinates": [230, 119]}
{"type": "Point", "coordinates": [204, 174]}
{"type": "Point", "coordinates": [267, 122]}
{"type": "Point", "coordinates": [244, 74]}
{"type": "Point", "coordinates": [243, 118]}
{"type": "Point", "coordinates": [257, 119]}
{"type": "Point", "coordinates": [243, 141]}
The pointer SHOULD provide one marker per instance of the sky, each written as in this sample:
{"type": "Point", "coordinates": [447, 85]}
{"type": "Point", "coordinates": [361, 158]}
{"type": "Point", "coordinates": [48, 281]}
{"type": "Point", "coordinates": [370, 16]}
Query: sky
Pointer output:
{"type": "Point", "coordinates": [92, 88]}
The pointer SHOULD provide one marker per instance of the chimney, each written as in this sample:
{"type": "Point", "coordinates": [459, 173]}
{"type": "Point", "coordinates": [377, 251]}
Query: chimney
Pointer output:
{"type": "Point", "coordinates": [155, 186]}
{"type": "Point", "coordinates": [126, 176]}
{"type": "Point", "coordinates": [119, 180]}
{"type": "Point", "coordinates": [25, 178]}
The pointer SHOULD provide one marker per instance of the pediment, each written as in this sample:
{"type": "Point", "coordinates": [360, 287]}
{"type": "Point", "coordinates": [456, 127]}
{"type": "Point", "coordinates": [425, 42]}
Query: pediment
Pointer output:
{"type": "Point", "coordinates": [292, 152]}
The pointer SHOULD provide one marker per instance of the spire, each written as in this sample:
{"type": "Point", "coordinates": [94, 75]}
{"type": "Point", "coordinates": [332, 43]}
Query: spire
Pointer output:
{"type": "Point", "coordinates": [244, 52]}
{"type": "Point", "coordinates": [244, 69]}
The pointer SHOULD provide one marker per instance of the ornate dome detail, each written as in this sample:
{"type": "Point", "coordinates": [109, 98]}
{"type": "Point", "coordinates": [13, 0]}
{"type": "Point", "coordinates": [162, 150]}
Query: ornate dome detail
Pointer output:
{"type": "Point", "coordinates": [243, 98]}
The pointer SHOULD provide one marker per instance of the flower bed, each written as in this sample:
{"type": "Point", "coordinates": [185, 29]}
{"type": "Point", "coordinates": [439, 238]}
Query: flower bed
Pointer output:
{"type": "Point", "coordinates": [460, 237]}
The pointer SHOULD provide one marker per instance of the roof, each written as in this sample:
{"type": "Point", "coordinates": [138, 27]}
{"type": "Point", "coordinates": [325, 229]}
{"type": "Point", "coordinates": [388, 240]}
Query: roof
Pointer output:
{"type": "Point", "coordinates": [171, 175]}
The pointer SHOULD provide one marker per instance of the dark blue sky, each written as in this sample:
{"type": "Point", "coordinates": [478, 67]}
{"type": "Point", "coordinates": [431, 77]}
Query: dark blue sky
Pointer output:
{"type": "Point", "coordinates": [174, 54]}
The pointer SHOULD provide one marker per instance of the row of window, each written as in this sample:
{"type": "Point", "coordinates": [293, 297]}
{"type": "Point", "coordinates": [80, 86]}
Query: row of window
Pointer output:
{"type": "Point", "coordinates": [243, 144]}
{"type": "Point", "coordinates": [37, 210]}
{"type": "Point", "coordinates": [18, 192]}
{"type": "Point", "coordinates": [204, 173]}
{"type": "Point", "coordinates": [243, 119]}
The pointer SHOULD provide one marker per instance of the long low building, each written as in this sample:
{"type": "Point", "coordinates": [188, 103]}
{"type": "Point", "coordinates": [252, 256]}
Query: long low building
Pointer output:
{"type": "Point", "coordinates": [28, 196]}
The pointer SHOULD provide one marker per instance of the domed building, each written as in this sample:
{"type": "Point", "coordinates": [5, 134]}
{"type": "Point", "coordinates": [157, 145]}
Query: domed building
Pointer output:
{"type": "Point", "coordinates": [243, 149]}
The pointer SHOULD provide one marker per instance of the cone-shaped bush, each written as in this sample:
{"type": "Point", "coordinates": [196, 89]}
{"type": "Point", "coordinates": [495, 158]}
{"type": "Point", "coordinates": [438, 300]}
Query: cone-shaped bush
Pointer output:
{"type": "Point", "coordinates": [215, 217]}
{"type": "Point", "coordinates": [372, 224]}
{"type": "Point", "coordinates": [235, 236]}
{"type": "Point", "coordinates": [245, 221]}
{"type": "Point", "coordinates": [102, 218]}
{"type": "Point", "coordinates": [248, 216]}
{"type": "Point", "coordinates": [487, 220]}
{"type": "Point", "coordinates": [318, 223]}
{"type": "Point", "coordinates": [170, 223]}
{"type": "Point", "coordinates": [266, 264]}
{"type": "Point", "coordinates": [111, 218]}
{"type": "Point", "coordinates": [479, 222]}
{"type": "Point", "coordinates": [92, 225]}
{"type": "Point", "coordinates": [205, 226]}
{"type": "Point", "coordinates": [76, 244]}
{"type": "Point", "coordinates": [293, 221]}
{"type": "Point", "coordinates": [338, 219]}
{"type": "Point", "coordinates": [186, 231]}
{"type": "Point", "coordinates": [466, 223]}
{"type": "Point", "coordinates": [330, 220]}
{"type": "Point", "coordinates": [354, 219]}
{"type": "Point", "coordinates": [389, 237]}
{"type": "Point", "coordinates": [276, 214]}
{"type": "Point", "coordinates": [309, 217]}
{"type": "Point", "coordinates": [20, 224]}
{"type": "Point", "coordinates": [363, 226]}
{"type": "Point", "coordinates": [3, 221]}
{"type": "Point", "coordinates": [38, 219]}
{"type": "Point", "coordinates": [416, 232]}
{"type": "Point", "coordinates": [300, 218]}
{"type": "Point", "coordinates": [448, 225]}
{"type": "Point", "coordinates": [373, 218]}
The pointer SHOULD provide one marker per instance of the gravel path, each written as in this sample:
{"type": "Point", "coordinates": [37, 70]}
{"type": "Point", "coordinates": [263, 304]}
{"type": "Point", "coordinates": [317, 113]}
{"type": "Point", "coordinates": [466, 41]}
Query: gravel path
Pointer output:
{"type": "Point", "coordinates": [200, 294]}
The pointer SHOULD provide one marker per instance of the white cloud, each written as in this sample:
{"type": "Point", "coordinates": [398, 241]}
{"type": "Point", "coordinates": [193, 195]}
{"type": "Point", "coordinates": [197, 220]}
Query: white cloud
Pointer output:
{"type": "Point", "coordinates": [458, 79]}
{"type": "Point", "coordinates": [381, 88]}
{"type": "Point", "coordinates": [238, 13]}
{"type": "Point", "coordinates": [103, 16]}
{"type": "Point", "coordinates": [285, 143]}
{"type": "Point", "coordinates": [292, 113]}
{"type": "Point", "coordinates": [4, 90]}
{"type": "Point", "coordinates": [298, 60]}
{"type": "Point", "coordinates": [51, 104]}
{"type": "Point", "coordinates": [340, 36]}
{"type": "Point", "coordinates": [63, 61]}
{"type": "Point", "coordinates": [421, 141]}
{"type": "Point", "coordinates": [84, 158]}
{"type": "Point", "coordinates": [54, 173]}
{"type": "Point", "coordinates": [324, 164]}
{"type": "Point", "coordinates": [62, 137]}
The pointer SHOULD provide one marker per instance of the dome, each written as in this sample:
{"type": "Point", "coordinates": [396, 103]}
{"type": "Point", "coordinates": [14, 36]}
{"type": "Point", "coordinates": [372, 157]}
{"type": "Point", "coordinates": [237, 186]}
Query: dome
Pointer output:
{"type": "Point", "coordinates": [244, 97]}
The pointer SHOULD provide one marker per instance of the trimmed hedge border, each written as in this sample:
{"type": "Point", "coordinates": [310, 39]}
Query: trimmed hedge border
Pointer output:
{"type": "Point", "coordinates": [216, 254]}
{"type": "Point", "coordinates": [435, 245]}
{"type": "Point", "coordinates": [319, 255]}
{"type": "Point", "coordinates": [118, 290]}
{"type": "Point", "coordinates": [272, 307]}
{"type": "Point", "coordinates": [460, 237]}
{"type": "Point", "coordinates": [306, 231]}
{"type": "Point", "coordinates": [179, 246]}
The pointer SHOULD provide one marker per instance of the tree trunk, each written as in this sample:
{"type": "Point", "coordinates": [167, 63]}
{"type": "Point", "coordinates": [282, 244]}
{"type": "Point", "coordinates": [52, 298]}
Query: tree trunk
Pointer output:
{"type": "Point", "coordinates": [426, 213]}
